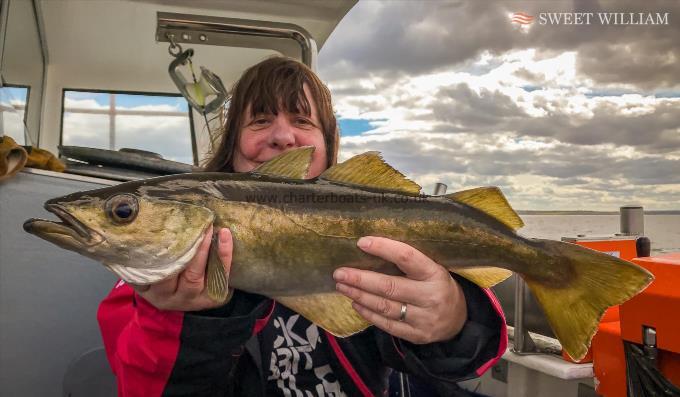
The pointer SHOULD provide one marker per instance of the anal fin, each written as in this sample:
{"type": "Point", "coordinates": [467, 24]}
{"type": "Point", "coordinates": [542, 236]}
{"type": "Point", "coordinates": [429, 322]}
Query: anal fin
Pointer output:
{"type": "Point", "coordinates": [485, 277]}
{"type": "Point", "coordinates": [330, 311]}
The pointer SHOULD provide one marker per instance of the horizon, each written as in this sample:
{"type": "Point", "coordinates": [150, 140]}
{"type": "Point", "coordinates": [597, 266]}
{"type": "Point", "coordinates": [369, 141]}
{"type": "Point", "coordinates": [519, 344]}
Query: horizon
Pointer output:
{"type": "Point", "coordinates": [598, 211]}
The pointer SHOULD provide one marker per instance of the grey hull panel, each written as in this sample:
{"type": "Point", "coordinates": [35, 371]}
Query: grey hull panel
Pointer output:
{"type": "Point", "coordinates": [48, 298]}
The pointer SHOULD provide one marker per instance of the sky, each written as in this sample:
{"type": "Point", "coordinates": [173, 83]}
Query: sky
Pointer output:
{"type": "Point", "coordinates": [169, 136]}
{"type": "Point", "coordinates": [560, 117]}
{"type": "Point", "coordinates": [12, 100]}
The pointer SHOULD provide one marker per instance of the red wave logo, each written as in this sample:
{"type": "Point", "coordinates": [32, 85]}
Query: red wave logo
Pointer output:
{"type": "Point", "coordinates": [522, 18]}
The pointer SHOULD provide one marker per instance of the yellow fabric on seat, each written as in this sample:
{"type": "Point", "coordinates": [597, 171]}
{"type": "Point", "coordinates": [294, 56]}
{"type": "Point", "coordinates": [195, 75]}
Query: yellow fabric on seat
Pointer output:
{"type": "Point", "coordinates": [41, 158]}
{"type": "Point", "coordinates": [12, 157]}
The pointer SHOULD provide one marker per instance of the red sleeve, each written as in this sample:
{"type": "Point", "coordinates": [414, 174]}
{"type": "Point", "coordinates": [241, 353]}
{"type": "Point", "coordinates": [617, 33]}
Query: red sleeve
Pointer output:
{"type": "Point", "coordinates": [141, 341]}
{"type": "Point", "coordinates": [155, 352]}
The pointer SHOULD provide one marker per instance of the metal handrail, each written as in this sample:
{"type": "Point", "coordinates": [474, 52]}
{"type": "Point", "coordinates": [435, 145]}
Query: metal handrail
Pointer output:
{"type": "Point", "coordinates": [215, 31]}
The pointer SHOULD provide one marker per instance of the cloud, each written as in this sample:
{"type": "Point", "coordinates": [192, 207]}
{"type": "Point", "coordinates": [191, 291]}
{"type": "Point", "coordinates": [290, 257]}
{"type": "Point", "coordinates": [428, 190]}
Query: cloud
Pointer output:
{"type": "Point", "coordinates": [655, 129]}
{"type": "Point", "coordinates": [166, 135]}
{"type": "Point", "coordinates": [572, 176]}
{"type": "Point", "coordinates": [431, 36]}
{"type": "Point", "coordinates": [427, 36]}
{"type": "Point", "coordinates": [548, 114]}
{"type": "Point", "coordinates": [462, 106]}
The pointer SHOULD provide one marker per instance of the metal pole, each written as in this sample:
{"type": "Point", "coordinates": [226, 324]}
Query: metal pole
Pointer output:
{"type": "Point", "coordinates": [112, 121]}
{"type": "Point", "coordinates": [522, 342]}
{"type": "Point", "coordinates": [632, 220]}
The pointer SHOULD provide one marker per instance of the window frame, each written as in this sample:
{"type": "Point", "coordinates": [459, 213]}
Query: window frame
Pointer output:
{"type": "Point", "coordinates": [192, 132]}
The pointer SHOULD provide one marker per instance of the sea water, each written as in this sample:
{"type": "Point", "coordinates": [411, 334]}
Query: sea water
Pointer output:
{"type": "Point", "coordinates": [662, 230]}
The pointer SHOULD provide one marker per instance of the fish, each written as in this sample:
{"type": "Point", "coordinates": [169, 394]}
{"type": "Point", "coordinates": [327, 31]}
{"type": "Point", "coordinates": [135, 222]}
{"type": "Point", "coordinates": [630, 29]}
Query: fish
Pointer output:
{"type": "Point", "coordinates": [291, 233]}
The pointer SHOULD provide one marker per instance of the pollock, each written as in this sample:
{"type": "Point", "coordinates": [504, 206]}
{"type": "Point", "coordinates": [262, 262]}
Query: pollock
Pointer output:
{"type": "Point", "coordinates": [291, 233]}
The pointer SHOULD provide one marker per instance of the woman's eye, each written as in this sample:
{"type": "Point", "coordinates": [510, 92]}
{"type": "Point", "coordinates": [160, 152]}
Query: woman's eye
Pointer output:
{"type": "Point", "coordinates": [302, 121]}
{"type": "Point", "coordinates": [261, 121]}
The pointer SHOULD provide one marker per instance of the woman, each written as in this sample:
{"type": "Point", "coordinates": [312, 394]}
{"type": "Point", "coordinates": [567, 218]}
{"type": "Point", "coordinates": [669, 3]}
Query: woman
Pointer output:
{"type": "Point", "coordinates": [171, 339]}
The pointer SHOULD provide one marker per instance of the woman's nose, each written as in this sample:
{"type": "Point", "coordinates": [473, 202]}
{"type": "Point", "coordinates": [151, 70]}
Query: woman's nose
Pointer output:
{"type": "Point", "coordinates": [282, 135]}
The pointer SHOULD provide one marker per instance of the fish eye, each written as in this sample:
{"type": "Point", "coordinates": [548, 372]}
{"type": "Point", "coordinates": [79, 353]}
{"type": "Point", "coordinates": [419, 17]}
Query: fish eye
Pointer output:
{"type": "Point", "coordinates": [122, 209]}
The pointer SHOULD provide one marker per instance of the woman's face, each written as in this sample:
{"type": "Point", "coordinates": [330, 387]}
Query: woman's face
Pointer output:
{"type": "Point", "coordinates": [265, 136]}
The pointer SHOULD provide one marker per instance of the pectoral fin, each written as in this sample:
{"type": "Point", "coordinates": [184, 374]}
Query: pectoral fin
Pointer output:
{"type": "Point", "coordinates": [330, 311]}
{"type": "Point", "coordinates": [216, 281]}
{"type": "Point", "coordinates": [485, 277]}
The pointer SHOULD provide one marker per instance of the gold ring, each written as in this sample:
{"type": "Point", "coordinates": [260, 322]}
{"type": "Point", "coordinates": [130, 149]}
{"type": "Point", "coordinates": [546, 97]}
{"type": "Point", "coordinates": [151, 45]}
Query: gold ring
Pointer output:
{"type": "Point", "coordinates": [402, 314]}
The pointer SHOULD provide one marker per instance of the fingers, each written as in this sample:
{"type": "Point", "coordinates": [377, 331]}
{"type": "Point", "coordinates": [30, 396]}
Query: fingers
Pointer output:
{"type": "Point", "coordinates": [225, 249]}
{"type": "Point", "coordinates": [412, 262]}
{"type": "Point", "coordinates": [385, 307]}
{"type": "Point", "coordinates": [390, 287]}
{"type": "Point", "coordinates": [139, 288]}
{"type": "Point", "coordinates": [192, 280]}
{"type": "Point", "coordinates": [435, 305]}
{"type": "Point", "coordinates": [399, 329]}
{"type": "Point", "coordinates": [160, 290]}
{"type": "Point", "coordinates": [187, 290]}
{"type": "Point", "coordinates": [158, 294]}
{"type": "Point", "coordinates": [418, 325]}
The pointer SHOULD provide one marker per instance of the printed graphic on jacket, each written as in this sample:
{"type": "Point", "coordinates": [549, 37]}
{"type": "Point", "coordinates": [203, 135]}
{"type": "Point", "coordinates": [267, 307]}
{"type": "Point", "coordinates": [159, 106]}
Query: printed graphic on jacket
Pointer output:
{"type": "Point", "coordinates": [297, 364]}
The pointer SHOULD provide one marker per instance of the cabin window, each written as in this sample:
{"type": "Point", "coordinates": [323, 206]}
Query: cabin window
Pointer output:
{"type": "Point", "coordinates": [159, 123]}
{"type": "Point", "coordinates": [13, 102]}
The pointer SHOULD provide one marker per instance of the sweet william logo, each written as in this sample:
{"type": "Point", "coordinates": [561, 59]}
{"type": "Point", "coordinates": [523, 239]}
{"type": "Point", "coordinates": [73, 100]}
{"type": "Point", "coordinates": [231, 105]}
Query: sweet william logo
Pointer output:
{"type": "Point", "coordinates": [521, 18]}
{"type": "Point", "coordinates": [525, 20]}
{"type": "Point", "coordinates": [603, 18]}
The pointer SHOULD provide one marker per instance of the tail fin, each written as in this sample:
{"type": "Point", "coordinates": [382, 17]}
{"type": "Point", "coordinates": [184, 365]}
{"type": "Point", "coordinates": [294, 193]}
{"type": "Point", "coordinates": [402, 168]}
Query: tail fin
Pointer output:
{"type": "Point", "coordinates": [574, 310]}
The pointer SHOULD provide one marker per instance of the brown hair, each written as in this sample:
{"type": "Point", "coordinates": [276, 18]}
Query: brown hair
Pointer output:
{"type": "Point", "coordinates": [270, 86]}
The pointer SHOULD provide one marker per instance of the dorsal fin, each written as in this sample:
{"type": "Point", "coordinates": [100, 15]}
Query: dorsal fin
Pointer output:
{"type": "Point", "coordinates": [369, 169]}
{"type": "Point", "coordinates": [491, 201]}
{"type": "Point", "coordinates": [293, 164]}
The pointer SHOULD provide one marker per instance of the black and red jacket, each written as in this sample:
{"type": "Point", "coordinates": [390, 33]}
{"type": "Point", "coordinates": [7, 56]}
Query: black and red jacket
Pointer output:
{"type": "Point", "coordinates": [215, 352]}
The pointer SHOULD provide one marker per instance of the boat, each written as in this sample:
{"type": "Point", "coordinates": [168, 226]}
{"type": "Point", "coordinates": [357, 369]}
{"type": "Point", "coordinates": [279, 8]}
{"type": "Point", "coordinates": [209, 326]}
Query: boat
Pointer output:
{"type": "Point", "coordinates": [55, 53]}
{"type": "Point", "coordinates": [101, 60]}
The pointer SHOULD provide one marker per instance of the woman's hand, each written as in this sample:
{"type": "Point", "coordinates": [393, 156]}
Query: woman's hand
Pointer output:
{"type": "Point", "coordinates": [187, 290]}
{"type": "Point", "coordinates": [435, 304]}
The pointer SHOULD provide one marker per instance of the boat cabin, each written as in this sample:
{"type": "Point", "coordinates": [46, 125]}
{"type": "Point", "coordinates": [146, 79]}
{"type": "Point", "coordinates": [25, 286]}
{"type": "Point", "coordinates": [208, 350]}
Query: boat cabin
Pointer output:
{"type": "Point", "coordinates": [83, 80]}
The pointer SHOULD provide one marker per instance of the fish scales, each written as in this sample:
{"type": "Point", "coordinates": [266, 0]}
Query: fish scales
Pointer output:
{"type": "Point", "coordinates": [304, 218]}
{"type": "Point", "coordinates": [290, 234]}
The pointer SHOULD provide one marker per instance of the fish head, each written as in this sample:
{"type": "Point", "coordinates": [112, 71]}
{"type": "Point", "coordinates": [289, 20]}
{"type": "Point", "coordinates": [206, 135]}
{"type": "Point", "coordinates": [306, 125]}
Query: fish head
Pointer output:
{"type": "Point", "coordinates": [141, 238]}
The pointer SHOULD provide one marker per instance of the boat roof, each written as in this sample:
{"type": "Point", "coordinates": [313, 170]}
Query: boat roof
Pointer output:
{"type": "Point", "coordinates": [114, 45]}
{"type": "Point", "coordinates": [117, 38]}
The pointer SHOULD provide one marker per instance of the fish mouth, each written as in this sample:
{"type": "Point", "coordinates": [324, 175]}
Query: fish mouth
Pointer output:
{"type": "Point", "coordinates": [69, 231]}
